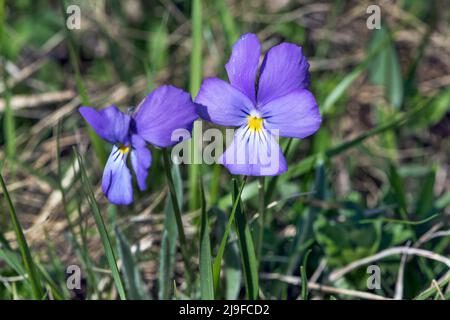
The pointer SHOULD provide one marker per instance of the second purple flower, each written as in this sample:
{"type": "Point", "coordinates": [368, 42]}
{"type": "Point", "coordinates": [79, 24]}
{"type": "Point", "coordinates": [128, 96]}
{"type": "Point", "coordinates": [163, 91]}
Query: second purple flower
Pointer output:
{"type": "Point", "coordinates": [161, 113]}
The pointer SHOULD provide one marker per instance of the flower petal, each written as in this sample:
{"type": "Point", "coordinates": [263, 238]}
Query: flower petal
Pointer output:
{"type": "Point", "coordinates": [141, 160]}
{"type": "Point", "coordinates": [109, 123]}
{"type": "Point", "coordinates": [254, 154]}
{"type": "Point", "coordinates": [295, 115]}
{"type": "Point", "coordinates": [116, 182]}
{"type": "Point", "coordinates": [243, 64]}
{"type": "Point", "coordinates": [162, 112]}
{"type": "Point", "coordinates": [284, 69]}
{"type": "Point", "coordinates": [222, 104]}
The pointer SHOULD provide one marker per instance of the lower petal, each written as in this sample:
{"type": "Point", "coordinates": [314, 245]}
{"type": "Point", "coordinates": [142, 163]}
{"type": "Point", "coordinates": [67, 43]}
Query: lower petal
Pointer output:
{"type": "Point", "coordinates": [141, 160]}
{"type": "Point", "coordinates": [254, 153]}
{"type": "Point", "coordinates": [116, 182]}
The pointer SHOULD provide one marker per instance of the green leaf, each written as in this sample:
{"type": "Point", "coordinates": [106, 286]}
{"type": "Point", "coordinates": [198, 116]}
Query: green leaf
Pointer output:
{"type": "Point", "coordinates": [384, 68]}
{"type": "Point", "coordinates": [228, 23]}
{"type": "Point", "coordinates": [109, 252]}
{"type": "Point", "coordinates": [247, 249]}
{"type": "Point", "coordinates": [195, 80]}
{"type": "Point", "coordinates": [132, 275]}
{"type": "Point", "coordinates": [397, 121]}
{"type": "Point", "coordinates": [347, 81]}
{"type": "Point", "coordinates": [218, 260]}
{"type": "Point", "coordinates": [30, 267]}
{"type": "Point", "coordinates": [399, 192]}
{"type": "Point", "coordinates": [206, 275]}
{"type": "Point", "coordinates": [169, 239]}
{"type": "Point", "coordinates": [303, 276]}
{"type": "Point", "coordinates": [426, 195]}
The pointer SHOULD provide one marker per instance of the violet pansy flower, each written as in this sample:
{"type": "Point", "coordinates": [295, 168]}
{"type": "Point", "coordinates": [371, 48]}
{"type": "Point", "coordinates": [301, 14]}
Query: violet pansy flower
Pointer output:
{"type": "Point", "coordinates": [161, 113]}
{"type": "Point", "coordinates": [279, 105]}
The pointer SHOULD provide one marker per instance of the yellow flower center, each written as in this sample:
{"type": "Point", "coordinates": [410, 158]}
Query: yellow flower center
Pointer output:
{"type": "Point", "coordinates": [124, 149]}
{"type": "Point", "coordinates": [255, 123]}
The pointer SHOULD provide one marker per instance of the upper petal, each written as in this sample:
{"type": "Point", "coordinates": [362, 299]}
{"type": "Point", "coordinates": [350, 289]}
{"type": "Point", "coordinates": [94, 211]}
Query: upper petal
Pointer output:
{"type": "Point", "coordinates": [284, 69]}
{"type": "Point", "coordinates": [294, 115]}
{"type": "Point", "coordinates": [243, 64]}
{"type": "Point", "coordinates": [222, 104]}
{"type": "Point", "coordinates": [109, 123]}
{"type": "Point", "coordinates": [254, 154]}
{"type": "Point", "coordinates": [162, 112]}
{"type": "Point", "coordinates": [141, 160]}
{"type": "Point", "coordinates": [116, 182]}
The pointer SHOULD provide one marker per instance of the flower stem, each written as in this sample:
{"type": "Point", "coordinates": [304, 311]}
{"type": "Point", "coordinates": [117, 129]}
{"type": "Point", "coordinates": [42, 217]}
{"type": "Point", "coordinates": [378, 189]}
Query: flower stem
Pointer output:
{"type": "Point", "coordinates": [261, 218]}
{"type": "Point", "coordinates": [179, 221]}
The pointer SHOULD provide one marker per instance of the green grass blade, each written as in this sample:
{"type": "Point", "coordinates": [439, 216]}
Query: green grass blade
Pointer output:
{"type": "Point", "coordinates": [247, 249]}
{"type": "Point", "coordinates": [169, 239]}
{"type": "Point", "coordinates": [9, 126]}
{"type": "Point", "coordinates": [433, 290]}
{"type": "Point", "coordinates": [30, 267]}
{"type": "Point", "coordinates": [304, 277]}
{"type": "Point", "coordinates": [194, 85]}
{"type": "Point", "coordinates": [399, 191]}
{"type": "Point", "coordinates": [407, 222]}
{"type": "Point", "coordinates": [346, 82]}
{"type": "Point", "coordinates": [184, 246]}
{"type": "Point", "coordinates": [132, 275]}
{"type": "Point", "coordinates": [426, 195]}
{"type": "Point", "coordinates": [385, 67]}
{"type": "Point", "coordinates": [397, 121]}
{"type": "Point", "coordinates": [96, 141]}
{"type": "Point", "coordinates": [206, 275]}
{"type": "Point", "coordinates": [109, 252]}
{"type": "Point", "coordinates": [228, 23]}
{"type": "Point", "coordinates": [218, 260]}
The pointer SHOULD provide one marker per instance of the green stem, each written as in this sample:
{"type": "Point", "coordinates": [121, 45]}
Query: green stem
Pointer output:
{"type": "Point", "coordinates": [261, 218]}
{"type": "Point", "coordinates": [194, 85]}
{"type": "Point", "coordinates": [179, 221]}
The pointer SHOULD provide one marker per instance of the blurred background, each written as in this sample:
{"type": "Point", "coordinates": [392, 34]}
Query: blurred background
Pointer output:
{"type": "Point", "coordinates": [372, 183]}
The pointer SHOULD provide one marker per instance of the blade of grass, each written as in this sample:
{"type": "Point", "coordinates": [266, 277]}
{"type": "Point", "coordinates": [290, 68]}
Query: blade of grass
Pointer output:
{"type": "Point", "coordinates": [132, 275]}
{"type": "Point", "coordinates": [228, 23]}
{"type": "Point", "coordinates": [218, 260]}
{"type": "Point", "coordinates": [346, 82]}
{"type": "Point", "coordinates": [398, 120]}
{"type": "Point", "coordinates": [426, 195]}
{"type": "Point", "coordinates": [206, 275]}
{"type": "Point", "coordinates": [30, 267]}
{"type": "Point", "coordinates": [109, 252]}
{"type": "Point", "coordinates": [8, 120]}
{"type": "Point", "coordinates": [169, 239]}
{"type": "Point", "coordinates": [432, 290]}
{"type": "Point", "coordinates": [179, 221]}
{"type": "Point", "coordinates": [397, 187]}
{"type": "Point", "coordinates": [246, 248]}
{"type": "Point", "coordinates": [407, 222]}
{"type": "Point", "coordinates": [304, 277]}
{"type": "Point", "coordinates": [194, 86]}
{"type": "Point", "coordinates": [96, 141]}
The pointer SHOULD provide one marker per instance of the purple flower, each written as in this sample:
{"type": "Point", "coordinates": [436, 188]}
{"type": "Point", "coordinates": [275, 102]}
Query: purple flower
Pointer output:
{"type": "Point", "coordinates": [280, 105]}
{"type": "Point", "coordinates": [161, 113]}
